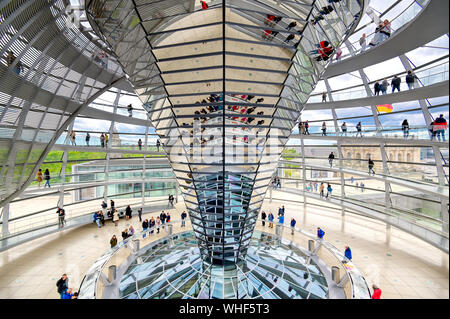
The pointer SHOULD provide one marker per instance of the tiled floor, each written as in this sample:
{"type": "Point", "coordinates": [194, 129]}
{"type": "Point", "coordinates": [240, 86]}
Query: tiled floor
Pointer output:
{"type": "Point", "coordinates": [404, 268]}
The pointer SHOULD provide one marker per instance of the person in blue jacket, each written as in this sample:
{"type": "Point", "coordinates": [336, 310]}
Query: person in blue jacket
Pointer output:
{"type": "Point", "coordinates": [293, 222]}
{"type": "Point", "coordinates": [280, 218]}
{"type": "Point", "coordinates": [67, 294]}
{"type": "Point", "coordinates": [320, 233]}
{"type": "Point", "coordinates": [270, 220]}
{"type": "Point", "coordinates": [348, 253]}
{"type": "Point", "coordinates": [97, 219]}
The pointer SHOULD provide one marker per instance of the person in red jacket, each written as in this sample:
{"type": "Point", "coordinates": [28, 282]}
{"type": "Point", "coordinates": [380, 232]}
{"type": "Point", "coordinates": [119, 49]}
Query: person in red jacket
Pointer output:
{"type": "Point", "coordinates": [376, 292]}
{"type": "Point", "coordinates": [204, 5]}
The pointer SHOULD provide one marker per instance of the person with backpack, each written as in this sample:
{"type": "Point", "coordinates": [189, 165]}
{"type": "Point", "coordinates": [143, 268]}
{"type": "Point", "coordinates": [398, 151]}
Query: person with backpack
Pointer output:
{"type": "Point", "coordinates": [63, 285]}
{"type": "Point", "coordinates": [411, 80]}
{"type": "Point", "coordinates": [307, 128]}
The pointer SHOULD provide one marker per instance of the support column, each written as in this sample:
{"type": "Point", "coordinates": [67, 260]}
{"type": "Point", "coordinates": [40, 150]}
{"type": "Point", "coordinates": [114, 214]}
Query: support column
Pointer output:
{"type": "Point", "coordinates": [5, 220]}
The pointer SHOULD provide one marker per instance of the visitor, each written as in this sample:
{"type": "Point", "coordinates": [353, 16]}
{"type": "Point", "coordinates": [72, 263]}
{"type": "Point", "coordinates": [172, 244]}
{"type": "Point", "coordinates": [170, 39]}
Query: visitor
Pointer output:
{"type": "Point", "coordinates": [315, 186]}
{"type": "Point", "coordinates": [329, 190]}
{"type": "Point", "coordinates": [359, 129]}
{"type": "Point", "coordinates": [307, 128]}
{"type": "Point", "coordinates": [102, 218]}
{"type": "Point", "coordinates": [291, 25]}
{"type": "Point", "coordinates": [75, 295]}
{"type": "Point", "coordinates": [61, 217]}
{"type": "Point", "coordinates": [324, 129]}
{"type": "Point", "coordinates": [158, 144]}
{"type": "Point", "coordinates": [168, 217]}
{"type": "Point", "coordinates": [125, 234]}
{"type": "Point", "coordinates": [338, 54]}
{"type": "Point", "coordinates": [344, 129]}
{"type": "Point", "coordinates": [144, 228]}
{"type": "Point", "coordinates": [128, 212]}
{"type": "Point", "coordinates": [263, 218]}
{"type": "Point", "coordinates": [320, 233]}
{"type": "Point", "coordinates": [72, 137]}
{"type": "Point", "coordinates": [47, 178]}
{"type": "Point", "coordinates": [302, 129]}
{"type": "Point", "coordinates": [362, 187]}
{"type": "Point", "coordinates": [162, 217]}
{"type": "Point", "coordinates": [97, 219]}
{"type": "Point", "coordinates": [371, 165]}
{"type": "Point", "coordinates": [281, 219]}
{"type": "Point", "coordinates": [376, 292]}
{"type": "Point", "coordinates": [183, 219]}
{"type": "Point", "coordinates": [116, 217]}
{"type": "Point", "coordinates": [10, 58]}
{"type": "Point", "coordinates": [151, 224]}
{"type": "Point", "coordinates": [377, 88]}
{"type": "Point", "coordinates": [112, 204]}
{"type": "Point", "coordinates": [204, 5]}
{"type": "Point", "coordinates": [405, 129]}
{"type": "Point", "coordinates": [104, 206]}
{"type": "Point", "coordinates": [322, 190]}
{"type": "Point", "coordinates": [324, 97]}
{"type": "Point", "coordinates": [363, 43]}
{"type": "Point", "coordinates": [289, 38]}
{"type": "Point", "coordinates": [157, 224]}
{"type": "Point", "coordinates": [88, 138]}
{"type": "Point", "coordinates": [39, 177]}
{"type": "Point", "coordinates": [384, 86]}
{"type": "Point", "coordinates": [131, 231]}
{"type": "Point", "coordinates": [348, 254]}
{"type": "Point", "coordinates": [432, 131]}
{"type": "Point", "coordinates": [68, 294]}
{"type": "Point", "coordinates": [411, 80]}
{"type": "Point", "coordinates": [102, 140]}
{"type": "Point", "coordinates": [352, 180]}
{"type": "Point", "coordinates": [331, 157]}
{"type": "Point", "coordinates": [396, 81]}
{"type": "Point", "coordinates": [130, 110]}
{"type": "Point", "coordinates": [106, 140]}
{"type": "Point", "coordinates": [293, 222]}
{"type": "Point", "coordinates": [140, 214]}
{"type": "Point", "coordinates": [140, 144]}
{"type": "Point", "coordinates": [62, 285]}
{"type": "Point", "coordinates": [113, 241]}
{"type": "Point", "coordinates": [270, 218]}
{"type": "Point", "coordinates": [378, 37]}
{"type": "Point", "coordinates": [440, 125]}
{"type": "Point", "coordinates": [386, 30]}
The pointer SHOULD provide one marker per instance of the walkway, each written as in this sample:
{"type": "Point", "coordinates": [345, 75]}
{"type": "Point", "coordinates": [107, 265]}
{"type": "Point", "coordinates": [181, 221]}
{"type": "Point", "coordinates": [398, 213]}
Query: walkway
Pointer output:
{"type": "Point", "coordinates": [391, 217]}
{"type": "Point", "coordinates": [426, 92]}
{"type": "Point", "coordinates": [370, 139]}
{"type": "Point", "coordinates": [430, 24]}
{"type": "Point", "coordinates": [435, 190]}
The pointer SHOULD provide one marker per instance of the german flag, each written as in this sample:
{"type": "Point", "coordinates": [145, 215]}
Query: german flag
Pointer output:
{"type": "Point", "coordinates": [385, 108]}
